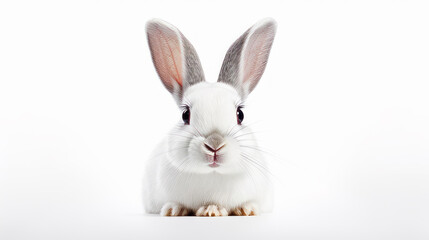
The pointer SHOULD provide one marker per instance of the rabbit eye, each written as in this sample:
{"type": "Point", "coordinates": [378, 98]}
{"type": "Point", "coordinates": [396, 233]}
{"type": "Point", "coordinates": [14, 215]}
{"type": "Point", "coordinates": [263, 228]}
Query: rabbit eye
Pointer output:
{"type": "Point", "coordinates": [186, 116]}
{"type": "Point", "coordinates": [240, 116]}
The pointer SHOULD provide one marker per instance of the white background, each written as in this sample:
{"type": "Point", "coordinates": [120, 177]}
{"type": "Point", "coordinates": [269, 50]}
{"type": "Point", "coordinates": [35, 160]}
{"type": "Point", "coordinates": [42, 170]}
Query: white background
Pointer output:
{"type": "Point", "coordinates": [342, 110]}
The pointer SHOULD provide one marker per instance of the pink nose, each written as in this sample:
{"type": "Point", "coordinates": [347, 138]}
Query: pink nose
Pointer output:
{"type": "Point", "coordinates": [214, 142]}
{"type": "Point", "coordinates": [211, 149]}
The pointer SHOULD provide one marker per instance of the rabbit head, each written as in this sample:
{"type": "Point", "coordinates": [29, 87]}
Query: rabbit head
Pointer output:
{"type": "Point", "coordinates": [211, 136]}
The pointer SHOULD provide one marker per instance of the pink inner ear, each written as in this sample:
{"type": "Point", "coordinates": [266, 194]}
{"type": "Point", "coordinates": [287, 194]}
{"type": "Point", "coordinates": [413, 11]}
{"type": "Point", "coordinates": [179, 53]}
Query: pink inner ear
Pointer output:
{"type": "Point", "coordinates": [166, 55]}
{"type": "Point", "coordinates": [255, 57]}
{"type": "Point", "coordinates": [255, 54]}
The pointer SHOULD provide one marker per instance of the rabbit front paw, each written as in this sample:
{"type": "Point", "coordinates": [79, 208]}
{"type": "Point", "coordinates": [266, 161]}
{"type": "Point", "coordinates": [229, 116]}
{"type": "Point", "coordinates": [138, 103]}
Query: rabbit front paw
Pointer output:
{"type": "Point", "coordinates": [174, 209]}
{"type": "Point", "coordinates": [247, 209]}
{"type": "Point", "coordinates": [211, 211]}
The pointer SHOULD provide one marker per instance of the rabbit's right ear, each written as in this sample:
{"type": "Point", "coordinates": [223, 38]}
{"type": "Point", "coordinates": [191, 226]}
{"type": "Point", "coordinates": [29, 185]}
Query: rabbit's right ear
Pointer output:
{"type": "Point", "coordinates": [246, 59]}
{"type": "Point", "coordinates": [174, 57]}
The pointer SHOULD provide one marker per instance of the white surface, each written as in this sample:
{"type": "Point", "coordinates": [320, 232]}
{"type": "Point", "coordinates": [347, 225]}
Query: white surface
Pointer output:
{"type": "Point", "coordinates": [342, 106]}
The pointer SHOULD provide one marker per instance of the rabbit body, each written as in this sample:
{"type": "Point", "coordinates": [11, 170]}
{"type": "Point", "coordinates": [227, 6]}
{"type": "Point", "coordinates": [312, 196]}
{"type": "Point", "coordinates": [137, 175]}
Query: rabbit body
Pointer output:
{"type": "Point", "coordinates": [196, 190]}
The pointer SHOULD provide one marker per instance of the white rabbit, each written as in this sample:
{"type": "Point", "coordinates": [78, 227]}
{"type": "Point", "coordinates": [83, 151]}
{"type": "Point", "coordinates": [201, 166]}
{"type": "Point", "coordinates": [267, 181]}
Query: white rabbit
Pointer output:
{"type": "Point", "coordinates": [209, 164]}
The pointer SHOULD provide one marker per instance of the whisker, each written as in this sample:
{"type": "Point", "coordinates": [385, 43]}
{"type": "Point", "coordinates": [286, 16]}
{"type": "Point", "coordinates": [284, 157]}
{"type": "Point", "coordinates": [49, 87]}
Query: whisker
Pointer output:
{"type": "Point", "coordinates": [248, 157]}
{"type": "Point", "coordinates": [243, 127]}
{"type": "Point", "coordinates": [187, 137]}
{"type": "Point", "coordinates": [248, 171]}
{"type": "Point", "coordinates": [257, 166]}
{"type": "Point", "coordinates": [257, 149]}
{"type": "Point", "coordinates": [199, 133]}
{"type": "Point", "coordinates": [244, 134]}
{"type": "Point", "coordinates": [169, 151]}
{"type": "Point", "coordinates": [244, 140]}
{"type": "Point", "coordinates": [182, 129]}
{"type": "Point", "coordinates": [230, 130]}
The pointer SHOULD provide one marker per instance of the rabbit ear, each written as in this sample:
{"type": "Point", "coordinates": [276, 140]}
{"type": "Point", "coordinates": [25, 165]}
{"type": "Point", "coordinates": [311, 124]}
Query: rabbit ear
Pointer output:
{"type": "Point", "coordinates": [246, 59]}
{"type": "Point", "coordinates": [174, 57]}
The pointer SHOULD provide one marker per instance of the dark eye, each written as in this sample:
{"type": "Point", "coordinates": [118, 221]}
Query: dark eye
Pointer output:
{"type": "Point", "coordinates": [186, 116]}
{"type": "Point", "coordinates": [240, 115]}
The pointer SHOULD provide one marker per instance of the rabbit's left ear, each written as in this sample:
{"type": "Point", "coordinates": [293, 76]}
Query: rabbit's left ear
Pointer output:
{"type": "Point", "coordinates": [174, 57]}
{"type": "Point", "coordinates": [246, 59]}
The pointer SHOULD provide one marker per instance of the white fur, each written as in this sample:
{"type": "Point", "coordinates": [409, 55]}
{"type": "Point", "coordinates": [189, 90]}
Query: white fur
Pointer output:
{"type": "Point", "coordinates": [178, 170]}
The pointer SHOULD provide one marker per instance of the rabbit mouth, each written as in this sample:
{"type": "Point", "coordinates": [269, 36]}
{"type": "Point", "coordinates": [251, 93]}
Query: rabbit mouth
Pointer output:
{"type": "Point", "coordinates": [214, 160]}
{"type": "Point", "coordinates": [214, 165]}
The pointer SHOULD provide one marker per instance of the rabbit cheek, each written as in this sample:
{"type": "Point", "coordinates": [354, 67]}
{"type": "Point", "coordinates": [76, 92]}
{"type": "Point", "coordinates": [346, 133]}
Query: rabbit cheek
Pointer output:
{"type": "Point", "coordinates": [229, 155]}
